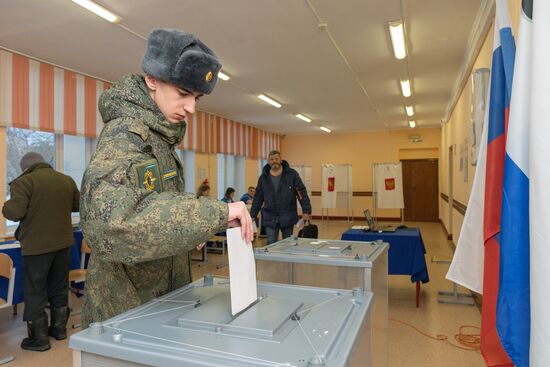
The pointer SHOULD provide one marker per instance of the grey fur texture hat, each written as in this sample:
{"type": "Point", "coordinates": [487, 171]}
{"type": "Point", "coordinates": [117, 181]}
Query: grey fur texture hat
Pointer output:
{"type": "Point", "coordinates": [30, 159]}
{"type": "Point", "coordinates": [182, 59]}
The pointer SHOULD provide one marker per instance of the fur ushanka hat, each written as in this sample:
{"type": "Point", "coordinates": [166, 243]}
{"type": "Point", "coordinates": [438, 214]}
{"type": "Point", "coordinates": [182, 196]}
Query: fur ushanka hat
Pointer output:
{"type": "Point", "coordinates": [182, 59]}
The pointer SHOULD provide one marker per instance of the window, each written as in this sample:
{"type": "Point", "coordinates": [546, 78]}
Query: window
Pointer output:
{"type": "Point", "coordinates": [65, 153]}
{"type": "Point", "coordinates": [21, 141]}
{"type": "Point", "coordinates": [221, 175]}
{"type": "Point", "coordinates": [239, 177]}
{"type": "Point", "coordinates": [261, 164]}
{"type": "Point", "coordinates": [91, 144]}
{"type": "Point", "coordinates": [74, 157]}
{"type": "Point", "coordinates": [230, 174]}
{"type": "Point", "coordinates": [229, 171]}
{"type": "Point", "coordinates": [187, 158]}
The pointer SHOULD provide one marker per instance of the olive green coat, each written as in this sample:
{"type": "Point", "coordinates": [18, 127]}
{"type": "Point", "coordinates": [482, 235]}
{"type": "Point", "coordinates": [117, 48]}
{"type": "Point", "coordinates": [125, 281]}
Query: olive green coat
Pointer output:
{"type": "Point", "coordinates": [41, 200]}
{"type": "Point", "coordinates": [134, 213]}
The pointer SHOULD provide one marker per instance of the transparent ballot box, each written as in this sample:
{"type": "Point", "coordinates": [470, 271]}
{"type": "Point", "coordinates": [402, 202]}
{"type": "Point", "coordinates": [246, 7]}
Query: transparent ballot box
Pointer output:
{"type": "Point", "coordinates": [193, 326]}
{"type": "Point", "coordinates": [334, 264]}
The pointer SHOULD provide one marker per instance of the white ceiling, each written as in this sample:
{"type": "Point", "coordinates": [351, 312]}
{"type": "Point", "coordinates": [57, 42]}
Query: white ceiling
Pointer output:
{"type": "Point", "coordinates": [273, 47]}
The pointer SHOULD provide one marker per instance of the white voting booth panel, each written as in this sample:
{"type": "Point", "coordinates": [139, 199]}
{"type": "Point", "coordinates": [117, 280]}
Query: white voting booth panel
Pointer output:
{"type": "Point", "coordinates": [334, 264]}
{"type": "Point", "coordinates": [193, 326]}
{"type": "Point", "coordinates": [387, 183]}
{"type": "Point", "coordinates": [336, 188]}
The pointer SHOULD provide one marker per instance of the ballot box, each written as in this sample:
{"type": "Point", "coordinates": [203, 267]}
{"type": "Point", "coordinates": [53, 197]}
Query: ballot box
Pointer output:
{"type": "Point", "coordinates": [288, 325]}
{"type": "Point", "coordinates": [334, 264]}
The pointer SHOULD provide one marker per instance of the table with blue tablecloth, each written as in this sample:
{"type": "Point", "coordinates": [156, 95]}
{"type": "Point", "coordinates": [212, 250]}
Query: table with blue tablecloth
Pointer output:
{"type": "Point", "coordinates": [406, 253]}
{"type": "Point", "coordinates": [13, 250]}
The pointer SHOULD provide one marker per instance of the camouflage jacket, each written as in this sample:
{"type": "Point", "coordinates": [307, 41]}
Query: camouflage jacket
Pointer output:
{"type": "Point", "coordinates": [135, 216]}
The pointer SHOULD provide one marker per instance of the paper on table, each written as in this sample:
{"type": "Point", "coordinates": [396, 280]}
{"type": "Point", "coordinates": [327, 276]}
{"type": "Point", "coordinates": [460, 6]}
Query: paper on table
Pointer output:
{"type": "Point", "coordinates": [242, 271]}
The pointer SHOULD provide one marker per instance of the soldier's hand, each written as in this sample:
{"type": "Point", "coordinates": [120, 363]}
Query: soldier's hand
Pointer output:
{"type": "Point", "coordinates": [238, 215]}
{"type": "Point", "coordinates": [200, 246]}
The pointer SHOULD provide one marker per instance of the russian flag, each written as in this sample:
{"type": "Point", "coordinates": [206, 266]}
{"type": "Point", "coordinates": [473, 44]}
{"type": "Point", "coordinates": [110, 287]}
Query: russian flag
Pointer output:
{"type": "Point", "coordinates": [539, 188]}
{"type": "Point", "coordinates": [516, 215]}
{"type": "Point", "coordinates": [513, 306]}
{"type": "Point", "coordinates": [523, 320]}
{"type": "Point", "coordinates": [499, 105]}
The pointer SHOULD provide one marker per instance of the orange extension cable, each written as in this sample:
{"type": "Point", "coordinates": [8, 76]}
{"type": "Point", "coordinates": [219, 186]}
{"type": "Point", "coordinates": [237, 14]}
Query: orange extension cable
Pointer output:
{"type": "Point", "coordinates": [470, 342]}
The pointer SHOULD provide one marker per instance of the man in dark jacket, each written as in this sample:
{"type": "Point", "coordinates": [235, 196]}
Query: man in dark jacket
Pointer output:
{"type": "Point", "coordinates": [278, 188]}
{"type": "Point", "coordinates": [42, 201]}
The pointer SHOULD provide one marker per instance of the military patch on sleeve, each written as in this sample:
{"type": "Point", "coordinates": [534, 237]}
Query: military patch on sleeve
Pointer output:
{"type": "Point", "coordinates": [148, 175]}
{"type": "Point", "coordinates": [168, 175]}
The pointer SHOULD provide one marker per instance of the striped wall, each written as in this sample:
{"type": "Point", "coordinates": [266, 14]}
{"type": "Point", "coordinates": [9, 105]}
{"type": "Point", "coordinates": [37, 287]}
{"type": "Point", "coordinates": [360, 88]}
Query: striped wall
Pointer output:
{"type": "Point", "coordinates": [208, 133]}
{"type": "Point", "coordinates": [39, 96]}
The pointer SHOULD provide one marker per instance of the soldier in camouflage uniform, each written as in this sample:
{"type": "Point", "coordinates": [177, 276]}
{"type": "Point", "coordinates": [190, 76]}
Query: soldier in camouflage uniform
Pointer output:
{"type": "Point", "coordinates": [134, 213]}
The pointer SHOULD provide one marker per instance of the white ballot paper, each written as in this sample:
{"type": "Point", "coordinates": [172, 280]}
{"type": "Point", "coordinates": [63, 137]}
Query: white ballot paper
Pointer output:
{"type": "Point", "coordinates": [242, 271]}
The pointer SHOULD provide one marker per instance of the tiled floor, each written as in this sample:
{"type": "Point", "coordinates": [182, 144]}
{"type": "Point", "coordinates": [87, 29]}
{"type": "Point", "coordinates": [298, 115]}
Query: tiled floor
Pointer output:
{"type": "Point", "coordinates": [406, 346]}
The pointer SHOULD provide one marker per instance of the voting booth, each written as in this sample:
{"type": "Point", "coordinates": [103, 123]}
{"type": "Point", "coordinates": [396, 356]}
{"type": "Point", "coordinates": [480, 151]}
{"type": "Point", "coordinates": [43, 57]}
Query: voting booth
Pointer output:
{"type": "Point", "coordinates": [334, 264]}
{"type": "Point", "coordinates": [287, 326]}
{"type": "Point", "coordinates": [336, 189]}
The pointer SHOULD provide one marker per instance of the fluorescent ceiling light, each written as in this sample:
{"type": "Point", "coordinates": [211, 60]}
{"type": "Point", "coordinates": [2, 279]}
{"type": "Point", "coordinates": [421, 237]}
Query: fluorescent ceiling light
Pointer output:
{"type": "Point", "coordinates": [98, 10]}
{"type": "Point", "coordinates": [412, 124]}
{"type": "Point", "coordinates": [325, 129]}
{"type": "Point", "coordinates": [410, 110]}
{"type": "Point", "coordinates": [397, 39]}
{"type": "Point", "coordinates": [302, 117]}
{"type": "Point", "coordinates": [405, 87]}
{"type": "Point", "coordinates": [272, 102]}
{"type": "Point", "coordinates": [223, 76]}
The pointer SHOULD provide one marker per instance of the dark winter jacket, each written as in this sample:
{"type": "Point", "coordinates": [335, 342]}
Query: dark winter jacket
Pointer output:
{"type": "Point", "coordinates": [42, 200]}
{"type": "Point", "coordinates": [280, 209]}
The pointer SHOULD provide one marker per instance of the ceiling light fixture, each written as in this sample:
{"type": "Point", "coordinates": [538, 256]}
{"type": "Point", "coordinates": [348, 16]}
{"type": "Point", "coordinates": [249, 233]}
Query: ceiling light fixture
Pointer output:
{"type": "Point", "coordinates": [223, 76]}
{"type": "Point", "coordinates": [412, 124]}
{"type": "Point", "coordinates": [98, 10]}
{"type": "Point", "coordinates": [272, 102]}
{"type": "Point", "coordinates": [409, 110]}
{"type": "Point", "coordinates": [325, 129]}
{"type": "Point", "coordinates": [405, 87]}
{"type": "Point", "coordinates": [397, 39]}
{"type": "Point", "coordinates": [302, 117]}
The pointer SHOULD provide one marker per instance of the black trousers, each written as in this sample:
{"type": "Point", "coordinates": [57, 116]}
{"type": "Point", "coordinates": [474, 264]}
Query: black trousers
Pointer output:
{"type": "Point", "coordinates": [45, 279]}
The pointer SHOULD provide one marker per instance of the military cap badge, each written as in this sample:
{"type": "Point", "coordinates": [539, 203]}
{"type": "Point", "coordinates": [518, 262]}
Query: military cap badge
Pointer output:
{"type": "Point", "coordinates": [209, 76]}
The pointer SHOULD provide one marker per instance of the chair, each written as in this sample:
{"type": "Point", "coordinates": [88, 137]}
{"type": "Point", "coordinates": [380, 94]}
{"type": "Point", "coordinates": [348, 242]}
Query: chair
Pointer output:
{"type": "Point", "coordinates": [203, 260]}
{"type": "Point", "coordinates": [222, 239]}
{"type": "Point", "coordinates": [78, 276]}
{"type": "Point", "coordinates": [7, 271]}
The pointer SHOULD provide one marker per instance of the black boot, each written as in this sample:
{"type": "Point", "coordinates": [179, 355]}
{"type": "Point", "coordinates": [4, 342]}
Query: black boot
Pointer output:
{"type": "Point", "coordinates": [38, 335]}
{"type": "Point", "coordinates": [58, 324]}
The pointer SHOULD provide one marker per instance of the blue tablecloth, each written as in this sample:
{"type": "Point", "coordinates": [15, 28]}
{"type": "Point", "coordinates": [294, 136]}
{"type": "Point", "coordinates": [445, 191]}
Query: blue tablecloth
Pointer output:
{"type": "Point", "coordinates": [406, 253]}
{"type": "Point", "coordinates": [13, 250]}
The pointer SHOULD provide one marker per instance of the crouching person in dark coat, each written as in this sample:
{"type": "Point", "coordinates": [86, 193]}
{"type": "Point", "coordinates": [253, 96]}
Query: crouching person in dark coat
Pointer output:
{"type": "Point", "coordinates": [42, 200]}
